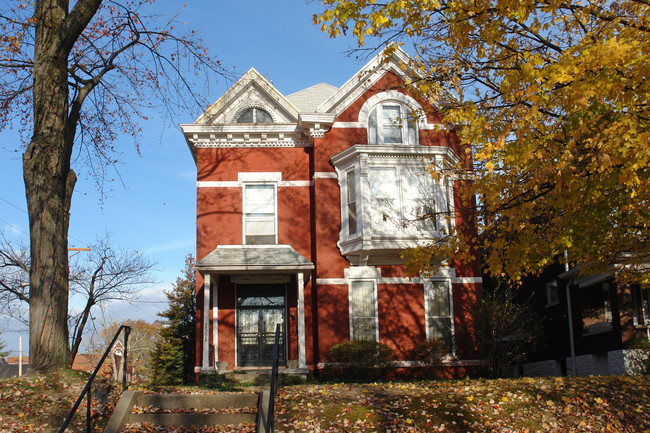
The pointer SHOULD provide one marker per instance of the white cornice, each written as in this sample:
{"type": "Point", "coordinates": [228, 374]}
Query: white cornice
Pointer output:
{"type": "Point", "coordinates": [394, 151]}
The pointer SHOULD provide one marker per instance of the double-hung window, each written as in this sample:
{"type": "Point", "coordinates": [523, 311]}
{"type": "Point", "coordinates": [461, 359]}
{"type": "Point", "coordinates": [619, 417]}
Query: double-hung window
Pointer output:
{"type": "Point", "coordinates": [403, 199]}
{"type": "Point", "coordinates": [391, 123]}
{"type": "Point", "coordinates": [363, 310]}
{"type": "Point", "coordinates": [352, 203]}
{"type": "Point", "coordinates": [438, 310]}
{"type": "Point", "coordinates": [260, 214]}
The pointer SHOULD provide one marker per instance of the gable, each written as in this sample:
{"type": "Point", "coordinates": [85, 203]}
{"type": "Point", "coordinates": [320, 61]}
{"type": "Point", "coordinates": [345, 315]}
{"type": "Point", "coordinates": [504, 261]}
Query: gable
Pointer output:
{"type": "Point", "coordinates": [388, 70]}
{"type": "Point", "coordinates": [251, 91]}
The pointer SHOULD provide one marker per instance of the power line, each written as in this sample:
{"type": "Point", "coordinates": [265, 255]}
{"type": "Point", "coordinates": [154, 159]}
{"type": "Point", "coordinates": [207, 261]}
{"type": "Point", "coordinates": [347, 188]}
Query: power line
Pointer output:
{"type": "Point", "coordinates": [11, 204]}
{"type": "Point", "coordinates": [25, 212]}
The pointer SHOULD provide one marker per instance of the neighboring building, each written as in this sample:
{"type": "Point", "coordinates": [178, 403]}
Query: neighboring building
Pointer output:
{"type": "Point", "coordinates": [10, 367]}
{"type": "Point", "coordinates": [590, 323]}
{"type": "Point", "coordinates": [304, 202]}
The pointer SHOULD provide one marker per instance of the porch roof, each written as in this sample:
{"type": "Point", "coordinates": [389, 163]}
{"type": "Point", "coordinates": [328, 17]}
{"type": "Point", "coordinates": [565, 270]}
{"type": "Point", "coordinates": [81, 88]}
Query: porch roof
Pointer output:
{"type": "Point", "coordinates": [237, 259]}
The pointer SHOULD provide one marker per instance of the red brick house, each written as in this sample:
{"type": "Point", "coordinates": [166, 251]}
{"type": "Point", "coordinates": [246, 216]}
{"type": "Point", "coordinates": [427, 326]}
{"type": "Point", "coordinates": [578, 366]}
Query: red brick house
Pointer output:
{"type": "Point", "coordinates": [303, 204]}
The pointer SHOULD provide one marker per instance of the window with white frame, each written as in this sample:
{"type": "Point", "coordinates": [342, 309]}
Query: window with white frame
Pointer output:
{"type": "Point", "coordinates": [552, 294]}
{"type": "Point", "coordinates": [391, 123]}
{"type": "Point", "coordinates": [363, 310]}
{"type": "Point", "coordinates": [254, 115]}
{"type": "Point", "coordinates": [260, 214]}
{"type": "Point", "coordinates": [352, 203]}
{"type": "Point", "coordinates": [403, 200]}
{"type": "Point", "coordinates": [438, 310]}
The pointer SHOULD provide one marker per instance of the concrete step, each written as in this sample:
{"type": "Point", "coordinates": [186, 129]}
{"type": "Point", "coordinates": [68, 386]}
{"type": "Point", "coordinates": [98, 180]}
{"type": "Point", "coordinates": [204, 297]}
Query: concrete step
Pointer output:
{"type": "Point", "coordinates": [232, 402]}
{"type": "Point", "coordinates": [187, 420]}
{"type": "Point", "coordinates": [256, 378]}
{"type": "Point", "coordinates": [198, 401]}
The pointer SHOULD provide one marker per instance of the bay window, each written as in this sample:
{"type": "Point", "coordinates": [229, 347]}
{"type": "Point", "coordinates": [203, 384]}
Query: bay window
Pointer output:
{"type": "Point", "coordinates": [390, 200]}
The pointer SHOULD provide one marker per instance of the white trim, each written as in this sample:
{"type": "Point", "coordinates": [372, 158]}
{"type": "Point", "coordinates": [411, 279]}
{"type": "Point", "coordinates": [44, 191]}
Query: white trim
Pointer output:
{"type": "Point", "coordinates": [215, 320]}
{"type": "Point", "coordinates": [254, 176]}
{"type": "Point", "coordinates": [362, 273]}
{"type": "Point", "coordinates": [328, 281]}
{"type": "Point", "coordinates": [290, 183]}
{"type": "Point", "coordinates": [348, 125]}
{"type": "Point", "coordinates": [302, 357]}
{"type": "Point", "coordinates": [467, 280]}
{"type": "Point", "coordinates": [218, 184]}
{"type": "Point", "coordinates": [388, 97]}
{"type": "Point", "coordinates": [260, 279]}
{"type": "Point", "coordinates": [206, 322]}
{"type": "Point", "coordinates": [325, 175]}
{"type": "Point", "coordinates": [444, 362]}
{"type": "Point", "coordinates": [444, 273]}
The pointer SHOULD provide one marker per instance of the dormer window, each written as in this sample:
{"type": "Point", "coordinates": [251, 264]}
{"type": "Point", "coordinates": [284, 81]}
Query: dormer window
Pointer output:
{"type": "Point", "coordinates": [391, 123]}
{"type": "Point", "coordinates": [254, 115]}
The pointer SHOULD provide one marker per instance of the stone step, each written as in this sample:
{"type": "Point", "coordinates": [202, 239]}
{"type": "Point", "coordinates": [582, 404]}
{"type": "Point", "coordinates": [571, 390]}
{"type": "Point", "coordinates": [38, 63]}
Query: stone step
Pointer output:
{"type": "Point", "coordinates": [187, 420]}
{"type": "Point", "coordinates": [198, 401]}
{"type": "Point", "coordinates": [256, 378]}
{"type": "Point", "coordinates": [122, 415]}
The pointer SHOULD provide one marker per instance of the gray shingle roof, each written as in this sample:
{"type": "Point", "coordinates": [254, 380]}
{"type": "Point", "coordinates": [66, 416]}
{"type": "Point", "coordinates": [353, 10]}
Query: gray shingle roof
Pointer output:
{"type": "Point", "coordinates": [237, 258]}
{"type": "Point", "coordinates": [307, 100]}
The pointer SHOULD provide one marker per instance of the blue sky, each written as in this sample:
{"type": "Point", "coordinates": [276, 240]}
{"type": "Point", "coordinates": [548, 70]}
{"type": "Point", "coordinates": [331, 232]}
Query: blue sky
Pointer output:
{"type": "Point", "coordinates": [153, 208]}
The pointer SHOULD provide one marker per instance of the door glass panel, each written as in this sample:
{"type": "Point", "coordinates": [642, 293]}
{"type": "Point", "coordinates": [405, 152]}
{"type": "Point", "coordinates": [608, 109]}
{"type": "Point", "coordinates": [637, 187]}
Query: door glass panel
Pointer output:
{"type": "Point", "coordinates": [259, 309]}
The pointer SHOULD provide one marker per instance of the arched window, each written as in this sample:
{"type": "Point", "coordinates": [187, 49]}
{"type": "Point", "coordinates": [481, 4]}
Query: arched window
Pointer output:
{"type": "Point", "coordinates": [391, 123]}
{"type": "Point", "coordinates": [254, 115]}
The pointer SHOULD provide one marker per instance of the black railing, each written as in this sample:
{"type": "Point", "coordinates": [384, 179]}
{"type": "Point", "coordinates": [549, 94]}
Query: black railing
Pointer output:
{"type": "Point", "coordinates": [270, 414]}
{"type": "Point", "coordinates": [87, 391]}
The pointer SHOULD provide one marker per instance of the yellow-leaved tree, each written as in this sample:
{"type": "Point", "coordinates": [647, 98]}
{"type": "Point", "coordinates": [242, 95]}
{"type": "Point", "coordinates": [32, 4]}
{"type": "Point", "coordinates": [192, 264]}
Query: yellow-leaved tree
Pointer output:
{"type": "Point", "coordinates": [553, 98]}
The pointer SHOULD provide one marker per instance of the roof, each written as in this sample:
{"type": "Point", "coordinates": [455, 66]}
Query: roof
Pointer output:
{"type": "Point", "coordinates": [307, 100]}
{"type": "Point", "coordinates": [247, 258]}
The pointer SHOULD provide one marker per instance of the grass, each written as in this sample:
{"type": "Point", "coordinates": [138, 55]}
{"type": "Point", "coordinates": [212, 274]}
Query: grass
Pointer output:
{"type": "Point", "coordinates": [617, 404]}
{"type": "Point", "coordinates": [614, 404]}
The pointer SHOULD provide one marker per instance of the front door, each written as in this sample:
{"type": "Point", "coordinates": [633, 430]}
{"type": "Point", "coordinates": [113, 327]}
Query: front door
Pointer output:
{"type": "Point", "coordinates": [259, 308]}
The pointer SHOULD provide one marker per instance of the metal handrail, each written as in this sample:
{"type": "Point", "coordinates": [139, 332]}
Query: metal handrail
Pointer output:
{"type": "Point", "coordinates": [87, 389]}
{"type": "Point", "coordinates": [270, 415]}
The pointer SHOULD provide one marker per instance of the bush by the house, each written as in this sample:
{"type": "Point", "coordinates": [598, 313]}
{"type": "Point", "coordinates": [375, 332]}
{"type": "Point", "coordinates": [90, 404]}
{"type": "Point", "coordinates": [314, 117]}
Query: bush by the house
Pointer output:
{"type": "Point", "coordinates": [360, 360]}
{"type": "Point", "coordinates": [429, 354]}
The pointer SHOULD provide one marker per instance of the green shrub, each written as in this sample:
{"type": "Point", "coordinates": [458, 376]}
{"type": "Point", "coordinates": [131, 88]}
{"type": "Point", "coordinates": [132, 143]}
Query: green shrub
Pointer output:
{"type": "Point", "coordinates": [219, 382]}
{"type": "Point", "coordinates": [292, 379]}
{"type": "Point", "coordinates": [429, 354]}
{"type": "Point", "coordinates": [360, 360]}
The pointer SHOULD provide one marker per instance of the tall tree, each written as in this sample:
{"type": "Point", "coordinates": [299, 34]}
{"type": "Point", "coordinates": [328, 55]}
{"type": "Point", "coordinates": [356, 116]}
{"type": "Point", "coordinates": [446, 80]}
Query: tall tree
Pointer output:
{"type": "Point", "coordinates": [90, 67]}
{"type": "Point", "coordinates": [554, 97]}
{"type": "Point", "coordinates": [141, 344]}
{"type": "Point", "coordinates": [174, 356]}
{"type": "Point", "coordinates": [102, 275]}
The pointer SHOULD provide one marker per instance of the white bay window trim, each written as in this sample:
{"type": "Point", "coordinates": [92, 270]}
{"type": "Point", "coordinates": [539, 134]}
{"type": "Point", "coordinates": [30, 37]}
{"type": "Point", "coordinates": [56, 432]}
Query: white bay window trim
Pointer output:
{"type": "Point", "coordinates": [361, 164]}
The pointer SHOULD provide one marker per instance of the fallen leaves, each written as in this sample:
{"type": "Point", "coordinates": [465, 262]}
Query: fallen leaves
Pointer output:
{"type": "Point", "coordinates": [514, 405]}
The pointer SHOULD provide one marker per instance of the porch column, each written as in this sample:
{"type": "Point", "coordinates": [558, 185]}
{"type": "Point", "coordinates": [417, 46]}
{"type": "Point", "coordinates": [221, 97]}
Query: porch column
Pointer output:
{"type": "Point", "coordinates": [206, 323]}
{"type": "Point", "coordinates": [215, 321]}
{"type": "Point", "coordinates": [302, 359]}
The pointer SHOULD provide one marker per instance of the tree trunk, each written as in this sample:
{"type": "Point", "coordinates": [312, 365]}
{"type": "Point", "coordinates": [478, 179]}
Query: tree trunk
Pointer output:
{"type": "Point", "coordinates": [49, 183]}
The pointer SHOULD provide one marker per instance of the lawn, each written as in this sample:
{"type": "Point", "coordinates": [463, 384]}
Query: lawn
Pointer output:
{"type": "Point", "coordinates": [589, 404]}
